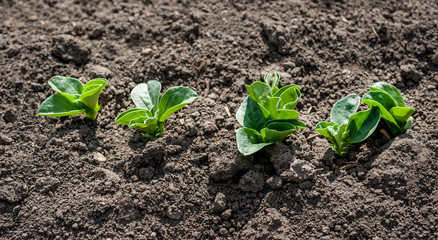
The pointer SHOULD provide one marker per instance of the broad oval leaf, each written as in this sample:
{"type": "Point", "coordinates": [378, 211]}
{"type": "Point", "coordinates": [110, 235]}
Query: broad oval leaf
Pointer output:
{"type": "Point", "coordinates": [174, 99]}
{"type": "Point", "coordinates": [362, 125]}
{"type": "Point", "coordinates": [59, 106]}
{"type": "Point", "coordinates": [147, 95]}
{"type": "Point", "coordinates": [250, 115]}
{"type": "Point", "coordinates": [249, 141]}
{"type": "Point", "coordinates": [381, 97]}
{"type": "Point", "coordinates": [134, 113]}
{"type": "Point", "coordinates": [401, 114]}
{"type": "Point", "coordinates": [69, 87]}
{"type": "Point", "coordinates": [391, 91]}
{"type": "Point", "coordinates": [344, 109]}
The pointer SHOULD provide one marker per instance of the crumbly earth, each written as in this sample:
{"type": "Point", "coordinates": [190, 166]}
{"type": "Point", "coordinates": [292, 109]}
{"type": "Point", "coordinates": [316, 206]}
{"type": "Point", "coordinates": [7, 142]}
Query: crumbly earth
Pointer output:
{"type": "Point", "coordinates": [69, 178]}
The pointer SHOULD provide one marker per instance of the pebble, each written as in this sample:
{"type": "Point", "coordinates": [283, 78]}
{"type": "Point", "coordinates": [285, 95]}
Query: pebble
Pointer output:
{"type": "Point", "coordinates": [173, 212]}
{"type": "Point", "coordinates": [99, 157]}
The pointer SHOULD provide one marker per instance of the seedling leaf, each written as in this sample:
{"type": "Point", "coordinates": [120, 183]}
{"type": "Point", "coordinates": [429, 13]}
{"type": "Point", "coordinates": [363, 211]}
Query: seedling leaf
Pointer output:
{"type": "Point", "coordinates": [174, 99]}
{"type": "Point", "coordinates": [59, 106]}
{"type": "Point", "coordinates": [344, 108]}
{"type": "Point", "coordinates": [248, 141]}
{"type": "Point", "coordinates": [147, 95]}
{"type": "Point", "coordinates": [362, 124]}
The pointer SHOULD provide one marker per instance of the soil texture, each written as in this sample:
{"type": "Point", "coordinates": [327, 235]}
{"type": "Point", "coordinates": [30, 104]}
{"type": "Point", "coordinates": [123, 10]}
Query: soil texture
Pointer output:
{"type": "Point", "coordinates": [71, 178]}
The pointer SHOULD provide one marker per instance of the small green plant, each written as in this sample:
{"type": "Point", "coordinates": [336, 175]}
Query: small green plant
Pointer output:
{"type": "Point", "coordinates": [73, 97]}
{"type": "Point", "coordinates": [151, 112]}
{"type": "Point", "coordinates": [348, 126]}
{"type": "Point", "coordinates": [267, 114]}
{"type": "Point", "coordinates": [392, 106]}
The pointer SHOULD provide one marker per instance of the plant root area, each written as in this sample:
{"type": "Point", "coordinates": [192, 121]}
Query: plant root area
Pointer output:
{"type": "Point", "coordinates": [71, 178]}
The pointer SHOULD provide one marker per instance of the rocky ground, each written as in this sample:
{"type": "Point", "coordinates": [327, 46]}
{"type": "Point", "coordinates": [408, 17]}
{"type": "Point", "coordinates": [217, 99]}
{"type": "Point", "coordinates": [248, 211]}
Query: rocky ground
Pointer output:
{"type": "Point", "coordinates": [69, 178]}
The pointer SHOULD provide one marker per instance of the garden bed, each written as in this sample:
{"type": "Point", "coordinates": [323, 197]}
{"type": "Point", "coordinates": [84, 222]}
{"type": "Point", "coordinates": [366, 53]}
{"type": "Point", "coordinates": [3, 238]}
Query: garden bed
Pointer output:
{"type": "Point", "coordinates": [71, 178]}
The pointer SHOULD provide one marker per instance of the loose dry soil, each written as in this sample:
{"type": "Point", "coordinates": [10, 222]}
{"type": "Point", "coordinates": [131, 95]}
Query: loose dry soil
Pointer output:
{"type": "Point", "coordinates": [69, 178]}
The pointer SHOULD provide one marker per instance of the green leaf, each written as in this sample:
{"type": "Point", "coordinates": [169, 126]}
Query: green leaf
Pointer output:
{"type": "Point", "coordinates": [69, 87]}
{"type": "Point", "coordinates": [384, 113]}
{"type": "Point", "coordinates": [146, 124]}
{"type": "Point", "coordinates": [260, 92]}
{"type": "Point", "coordinates": [96, 81]}
{"type": "Point", "coordinates": [408, 124]}
{"type": "Point", "coordinates": [91, 94]}
{"type": "Point", "coordinates": [58, 106]}
{"type": "Point", "coordinates": [274, 90]}
{"type": "Point", "coordinates": [362, 125]}
{"type": "Point", "coordinates": [146, 95]}
{"type": "Point", "coordinates": [391, 91]}
{"type": "Point", "coordinates": [271, 106]}
{"type": "Point", "coordinates": [277, 131]}
{"type": "Point", "coordinates": [285, 88]}
{"type": "Point", "coordinates": [250, 115]}
{"type": "Point", "coordinates": [298, 124]}
{"type": "Point", "coordinates": [290, 98]}
{"type": "Point", "coordinates": [134, 113]}
{"type": "Point", "coordinates": [323, 129]}
{"type": "Point", "coordinates": [275, 80]}
{"type": "Point", "coordinates": [174, 99]}
{"type": "Point", "coordinates": [344, 108]}
{"type": "Point", "coordinates": [401, 114]}
{"type": "Point", "coordinates": [267, 79]}
{"type": "Point", "coordinates": [384, 99]}
{"type": "Point", "coordinates": [286, 114]}
{"type": "Point", "coordinates": [248, 141]}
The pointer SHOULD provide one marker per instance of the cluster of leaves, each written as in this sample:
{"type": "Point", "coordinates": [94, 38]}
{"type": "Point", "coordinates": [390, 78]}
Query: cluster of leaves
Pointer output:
{"type": "Point", "coordinates": [267, 114]}
{"type": "Point", "coordinates": [73, 97]}
{"type": "Point", "coordinates": [152, 111]}
{"type": "Point", "coordinates": [348, 126]}
{"type": "Point", "coordinates": [392, 106]}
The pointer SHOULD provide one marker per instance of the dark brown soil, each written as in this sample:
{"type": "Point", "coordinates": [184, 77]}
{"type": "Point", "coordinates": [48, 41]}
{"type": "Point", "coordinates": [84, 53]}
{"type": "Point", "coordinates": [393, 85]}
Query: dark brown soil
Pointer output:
{"type": "Point", "coordinates": [69, 178]}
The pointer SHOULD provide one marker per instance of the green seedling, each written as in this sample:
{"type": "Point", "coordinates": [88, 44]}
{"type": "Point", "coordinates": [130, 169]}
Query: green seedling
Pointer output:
{"type": "Point", "coordinates": [348, 126]}
{"type": "Point", "coordinates": [392, 107]}
{"type": "Point", "coordinates": [151, 112]}
{"type": "Point", "coordinates": [267, 114]}
{"type": "Point", "coordinates": [73, 97]}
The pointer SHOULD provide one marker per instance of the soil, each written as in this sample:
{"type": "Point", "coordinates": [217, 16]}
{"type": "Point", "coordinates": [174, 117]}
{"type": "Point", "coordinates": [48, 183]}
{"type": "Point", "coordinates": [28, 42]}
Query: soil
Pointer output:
{"type": "Point", "coordinates": [70, 178]}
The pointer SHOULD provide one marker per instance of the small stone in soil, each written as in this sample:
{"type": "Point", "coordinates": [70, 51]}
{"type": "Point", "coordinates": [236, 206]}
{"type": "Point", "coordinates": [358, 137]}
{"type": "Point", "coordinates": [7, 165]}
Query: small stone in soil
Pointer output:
{"type": "Point", "coordinates": [173, 212]}
{"type": "Point", "coordinates": [99, 157]}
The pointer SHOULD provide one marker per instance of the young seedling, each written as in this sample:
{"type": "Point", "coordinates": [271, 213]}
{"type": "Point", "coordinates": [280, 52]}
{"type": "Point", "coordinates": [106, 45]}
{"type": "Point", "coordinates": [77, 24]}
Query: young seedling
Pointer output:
{"type": "Point", "coordinates": [73, 97]}
{"type": "Point", "coordinates": [267, 115]}
{"type": "Point", "coordinates": [151, 112]}
{"type": "Point", "coordinates": [392, 106]}
{"type": "Point", "coordinates": [348, 126]}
